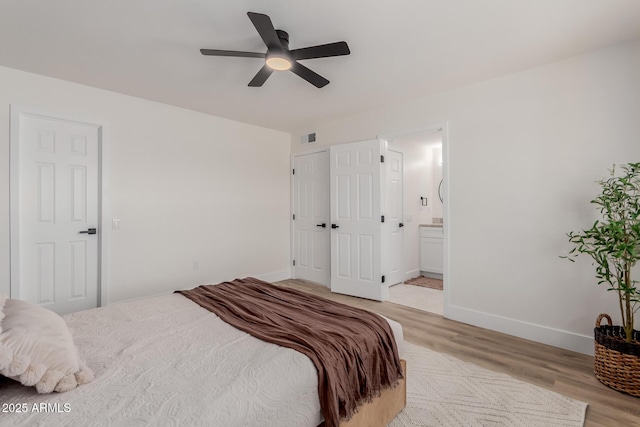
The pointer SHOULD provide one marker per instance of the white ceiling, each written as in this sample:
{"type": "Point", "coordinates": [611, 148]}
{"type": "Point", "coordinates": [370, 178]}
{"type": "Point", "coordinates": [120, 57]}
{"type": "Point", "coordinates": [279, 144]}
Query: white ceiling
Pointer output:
{"type": "Point", "coordinates": [401, 49]}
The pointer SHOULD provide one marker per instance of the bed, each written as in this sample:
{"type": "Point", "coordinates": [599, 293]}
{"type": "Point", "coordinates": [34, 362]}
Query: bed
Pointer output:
{"type": "Point", "coordinates": [167, 361]}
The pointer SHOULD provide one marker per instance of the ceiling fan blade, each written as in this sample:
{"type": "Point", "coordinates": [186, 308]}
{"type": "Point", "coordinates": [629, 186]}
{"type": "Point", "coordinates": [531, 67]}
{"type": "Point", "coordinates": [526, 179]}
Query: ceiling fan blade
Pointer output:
{"type": "Point", "coordinates": [311, 76]}
{"type": "Point", "coordinates": [216, 52]}
{"type": "Point", "coordinates": [265, 28]}
{"type": "Point", "coordinates": [321, 51]}
{"type": "Point", "coordinates": [261, 77]}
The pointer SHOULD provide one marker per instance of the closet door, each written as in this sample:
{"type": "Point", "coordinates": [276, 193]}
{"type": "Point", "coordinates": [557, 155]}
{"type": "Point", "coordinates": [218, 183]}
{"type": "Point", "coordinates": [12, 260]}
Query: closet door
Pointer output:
{"type": "Point", "coordinates": [356, 225]}
{"type": "Point", "coordinates": [311, 208]}
{"type": "Point", "coordinates": [55, 248]}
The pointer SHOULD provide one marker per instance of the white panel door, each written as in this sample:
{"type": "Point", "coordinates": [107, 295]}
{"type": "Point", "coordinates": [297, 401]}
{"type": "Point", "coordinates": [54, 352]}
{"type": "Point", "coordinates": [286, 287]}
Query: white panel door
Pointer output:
{"type": "Point", "coordinates": [311, 224]}
{"type": "Point", "coordinates": [393, 212]}
{"type": "Point", "coordinates": [355, 176]}
{"type": "Point", "coordinates": [58, 203]}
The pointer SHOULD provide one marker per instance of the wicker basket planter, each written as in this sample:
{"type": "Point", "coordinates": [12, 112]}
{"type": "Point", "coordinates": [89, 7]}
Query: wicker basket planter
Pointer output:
{"type": "Point", "coordinates": [617, 362]}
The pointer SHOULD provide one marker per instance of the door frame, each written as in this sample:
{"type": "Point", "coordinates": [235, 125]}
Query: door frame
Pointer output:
{"type": "Point", "coordinates": [292, 243]}
{"type": "Point", "coordinates": [446, 215]}
{"type": "Point", "coordinates": [104, 206]}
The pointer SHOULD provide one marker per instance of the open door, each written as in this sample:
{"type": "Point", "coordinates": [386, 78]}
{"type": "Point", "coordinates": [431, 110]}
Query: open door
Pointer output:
{"type": "Point", "coordinates": [393, 236]}
{"type": "Point", "coordinates": [356, 221]}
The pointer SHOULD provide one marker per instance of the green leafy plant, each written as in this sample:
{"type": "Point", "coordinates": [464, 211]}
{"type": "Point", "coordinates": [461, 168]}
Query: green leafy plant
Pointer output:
{"type": "Point", "coordinates": [614, 241]}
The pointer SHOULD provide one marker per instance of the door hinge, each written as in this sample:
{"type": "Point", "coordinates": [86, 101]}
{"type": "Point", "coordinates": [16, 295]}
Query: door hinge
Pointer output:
{"type": "Point", "coordinates": [293, 171]}
{"type": "Point", "coordinates": [381, 159]}
{"type": "Point", "coordinates": [383, 278]}
{"type": "Point", "coordinates": [294, 262]}
{"type": "Point", "coordinates": [382, 218]}
{"type": "Point", "coordinates": [294, 217]}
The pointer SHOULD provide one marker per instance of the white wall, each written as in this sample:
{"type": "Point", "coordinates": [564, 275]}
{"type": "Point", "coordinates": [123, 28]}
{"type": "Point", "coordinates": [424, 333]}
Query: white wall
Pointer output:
{"type": "Point", "coordinates": [524, 152]}
{"type": "Point", "coordinates": [186, 186]}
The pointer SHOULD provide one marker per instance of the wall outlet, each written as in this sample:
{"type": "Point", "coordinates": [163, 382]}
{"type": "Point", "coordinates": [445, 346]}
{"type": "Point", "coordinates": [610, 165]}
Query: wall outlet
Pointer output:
{"type": "Point", "coordinates": [196, 265]}
{"type": "Point", "coordinates": [115, 223]}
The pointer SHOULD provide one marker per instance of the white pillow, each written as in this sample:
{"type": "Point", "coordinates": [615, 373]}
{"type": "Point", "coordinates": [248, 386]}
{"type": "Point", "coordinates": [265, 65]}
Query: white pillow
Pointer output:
{"type": "Point", "coordinates": [37, 349]}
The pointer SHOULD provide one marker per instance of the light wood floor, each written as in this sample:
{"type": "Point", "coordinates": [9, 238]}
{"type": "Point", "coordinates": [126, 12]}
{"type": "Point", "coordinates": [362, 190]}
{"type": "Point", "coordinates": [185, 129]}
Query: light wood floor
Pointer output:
{"type": "Point", "coordinates": [555, 369]}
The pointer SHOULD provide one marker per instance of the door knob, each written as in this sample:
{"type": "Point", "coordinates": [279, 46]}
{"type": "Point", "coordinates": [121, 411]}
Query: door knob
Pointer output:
{"type": "Point", "coordinates": [335, 226]}
{"type": "Point", "coordinates": [89, 231]}
{"type": "Point", "coordinates": [323, 225]}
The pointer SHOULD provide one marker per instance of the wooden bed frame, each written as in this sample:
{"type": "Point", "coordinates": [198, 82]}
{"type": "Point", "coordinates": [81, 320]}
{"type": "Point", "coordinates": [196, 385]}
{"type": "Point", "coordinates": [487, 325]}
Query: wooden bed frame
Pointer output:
{"type": "Point", "coordinates": [381, 410]}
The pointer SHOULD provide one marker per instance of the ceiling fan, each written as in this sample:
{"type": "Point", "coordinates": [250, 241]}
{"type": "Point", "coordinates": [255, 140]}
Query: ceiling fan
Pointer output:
{"type": "Point", "coordinates": [278, 56]}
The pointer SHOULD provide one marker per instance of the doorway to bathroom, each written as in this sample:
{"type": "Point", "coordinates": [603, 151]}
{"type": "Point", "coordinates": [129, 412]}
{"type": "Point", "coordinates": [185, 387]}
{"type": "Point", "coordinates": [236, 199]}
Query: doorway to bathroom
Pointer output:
{"type": "Point", "coordinates": [422, 286]}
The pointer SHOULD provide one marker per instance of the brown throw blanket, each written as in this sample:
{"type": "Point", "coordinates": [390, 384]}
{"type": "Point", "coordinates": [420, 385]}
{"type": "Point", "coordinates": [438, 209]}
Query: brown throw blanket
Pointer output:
{"type": "Point", "coordinates": [353, 350]}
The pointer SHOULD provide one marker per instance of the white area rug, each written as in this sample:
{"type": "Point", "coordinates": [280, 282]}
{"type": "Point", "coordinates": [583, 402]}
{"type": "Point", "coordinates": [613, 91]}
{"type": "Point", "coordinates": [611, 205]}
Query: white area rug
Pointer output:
{"type": "Point", "coordinates": [445, 391]}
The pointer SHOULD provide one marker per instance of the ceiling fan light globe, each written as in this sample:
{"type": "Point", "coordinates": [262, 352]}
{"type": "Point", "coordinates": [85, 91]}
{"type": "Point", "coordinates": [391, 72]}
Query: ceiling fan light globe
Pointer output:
{"type": "Point", "coordinates": [278, 63]}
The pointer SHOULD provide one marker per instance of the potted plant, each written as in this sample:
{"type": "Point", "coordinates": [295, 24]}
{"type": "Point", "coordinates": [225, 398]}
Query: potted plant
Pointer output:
{"type": "Point", "coordinates": [614, 245]}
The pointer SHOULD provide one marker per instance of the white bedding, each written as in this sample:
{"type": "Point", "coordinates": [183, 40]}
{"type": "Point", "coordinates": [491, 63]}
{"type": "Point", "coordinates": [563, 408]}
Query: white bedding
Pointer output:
{"type": "Point", "coordinates": [167, 361]}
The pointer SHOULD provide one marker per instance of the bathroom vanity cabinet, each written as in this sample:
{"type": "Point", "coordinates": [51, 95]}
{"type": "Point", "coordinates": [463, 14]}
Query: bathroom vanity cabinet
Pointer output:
{"type": "Point", "coordinates": [431, 249]}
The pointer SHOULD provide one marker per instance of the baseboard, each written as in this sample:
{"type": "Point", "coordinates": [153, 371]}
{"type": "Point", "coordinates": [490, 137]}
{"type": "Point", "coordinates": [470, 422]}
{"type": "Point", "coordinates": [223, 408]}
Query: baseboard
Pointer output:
{"type": "Point", "coordinates": [274, 276]}
{"type": "Point", "coordinates": [411, 274]}
{"type": "Point", "coordinates": [530, 331]}
{"type": "Point", "coordinates": [438, 276]}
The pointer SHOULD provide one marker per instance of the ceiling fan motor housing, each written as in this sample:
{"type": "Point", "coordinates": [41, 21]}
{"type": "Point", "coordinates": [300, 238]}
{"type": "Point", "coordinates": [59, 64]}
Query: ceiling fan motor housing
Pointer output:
{"type": "Point", "coordinates": [284, 38]}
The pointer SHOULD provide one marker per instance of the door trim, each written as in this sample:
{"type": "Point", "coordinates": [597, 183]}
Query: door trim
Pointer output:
{"type": "Point", "coordinates": [104, 207]}
{"type": "Point", "coordinates": [292, 243]}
